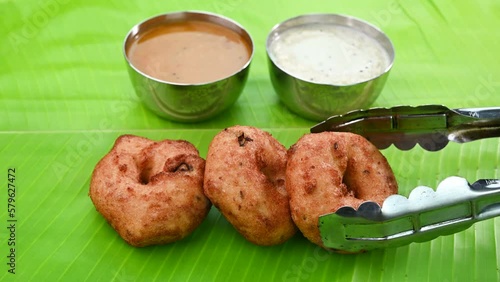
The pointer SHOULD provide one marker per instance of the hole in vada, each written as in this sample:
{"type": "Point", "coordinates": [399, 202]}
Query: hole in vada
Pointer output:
{"type": "Point", "coordinates": [269, 172]}
{"type": "Point", "coordinates": [183, 167]}
{"type": "Point", "coordinates": [144, 176]}
{"type": "Point", "coordinates": [349, 185]}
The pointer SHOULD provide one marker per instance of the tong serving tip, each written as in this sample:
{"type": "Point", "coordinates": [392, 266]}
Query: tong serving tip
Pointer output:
{"type": "Point", "coordinates": [423, 216]}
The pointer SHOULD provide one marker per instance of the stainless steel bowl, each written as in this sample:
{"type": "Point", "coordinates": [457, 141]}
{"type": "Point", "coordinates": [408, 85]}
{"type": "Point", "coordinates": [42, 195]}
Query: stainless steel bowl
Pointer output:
{"type": "Point", "coordinates": [185, 102]}
{"type": "Point", "coordinates": [318, 101]}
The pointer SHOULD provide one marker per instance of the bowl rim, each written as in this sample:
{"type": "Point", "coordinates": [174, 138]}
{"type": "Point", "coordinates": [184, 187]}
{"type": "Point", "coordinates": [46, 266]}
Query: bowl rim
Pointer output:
{"type": "Point", "coordinates": [336, 19]}
{"type": "Point", "coordinates": [181, 16]}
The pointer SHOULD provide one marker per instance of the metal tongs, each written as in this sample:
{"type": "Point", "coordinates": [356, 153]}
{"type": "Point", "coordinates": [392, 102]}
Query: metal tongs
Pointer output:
{"type": "Point", "coordinates": [431, 126]}
{"type": "Point", "coordinates": [425, 214]}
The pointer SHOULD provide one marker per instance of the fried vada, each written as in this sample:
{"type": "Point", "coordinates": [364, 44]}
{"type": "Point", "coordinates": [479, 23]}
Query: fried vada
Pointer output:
{"type": "Point", "coordinates": [245, 180]}
{"type": "Point", "coordinates": [328, 170]}
{"type": "Point", "coordinates": [151, 192]}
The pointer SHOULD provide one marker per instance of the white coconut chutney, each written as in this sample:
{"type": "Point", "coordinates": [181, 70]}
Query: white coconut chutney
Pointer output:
{"type": "Point", "coordinates": [329, 54]}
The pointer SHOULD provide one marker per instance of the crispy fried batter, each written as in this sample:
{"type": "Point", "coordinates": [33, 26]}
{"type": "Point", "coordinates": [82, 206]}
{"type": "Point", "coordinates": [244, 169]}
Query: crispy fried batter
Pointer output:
{"type": "Point", "coordinates": [245, 180]}
{"type": "Point", "coordinates": [328, 170]}
{"type": "Point", "coordinates": [150, 192]}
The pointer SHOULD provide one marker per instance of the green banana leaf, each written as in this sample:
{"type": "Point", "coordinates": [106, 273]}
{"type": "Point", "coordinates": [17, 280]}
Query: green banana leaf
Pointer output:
{"type": "Point", "coordinates": [65, 96]}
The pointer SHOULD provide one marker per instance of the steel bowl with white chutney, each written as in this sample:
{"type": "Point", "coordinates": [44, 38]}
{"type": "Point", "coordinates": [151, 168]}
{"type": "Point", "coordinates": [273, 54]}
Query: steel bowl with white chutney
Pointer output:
{"type": "Point", "coordinates": [326, 64]}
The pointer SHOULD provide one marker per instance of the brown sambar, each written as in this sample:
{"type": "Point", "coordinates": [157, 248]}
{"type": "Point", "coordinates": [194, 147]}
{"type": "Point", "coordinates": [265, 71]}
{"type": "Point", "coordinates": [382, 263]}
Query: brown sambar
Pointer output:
{"type": "Point", "coordinates": [190, 52]}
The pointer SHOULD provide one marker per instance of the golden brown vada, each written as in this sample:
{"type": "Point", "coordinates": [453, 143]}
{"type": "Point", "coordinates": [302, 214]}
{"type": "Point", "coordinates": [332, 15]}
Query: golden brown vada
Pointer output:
{"type": "Point", "coordinates": [328, 170]}
{"type": "Point", "coordinates": [151, 192]}
{"type": "Point", "coordinates": [245, 180]}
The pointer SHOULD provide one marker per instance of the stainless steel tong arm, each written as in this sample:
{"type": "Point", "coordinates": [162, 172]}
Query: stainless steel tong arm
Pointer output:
{"type": "Point", "coordinates": [431, 126]}
{"type": "Point", "coordinates": [424, 215]}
